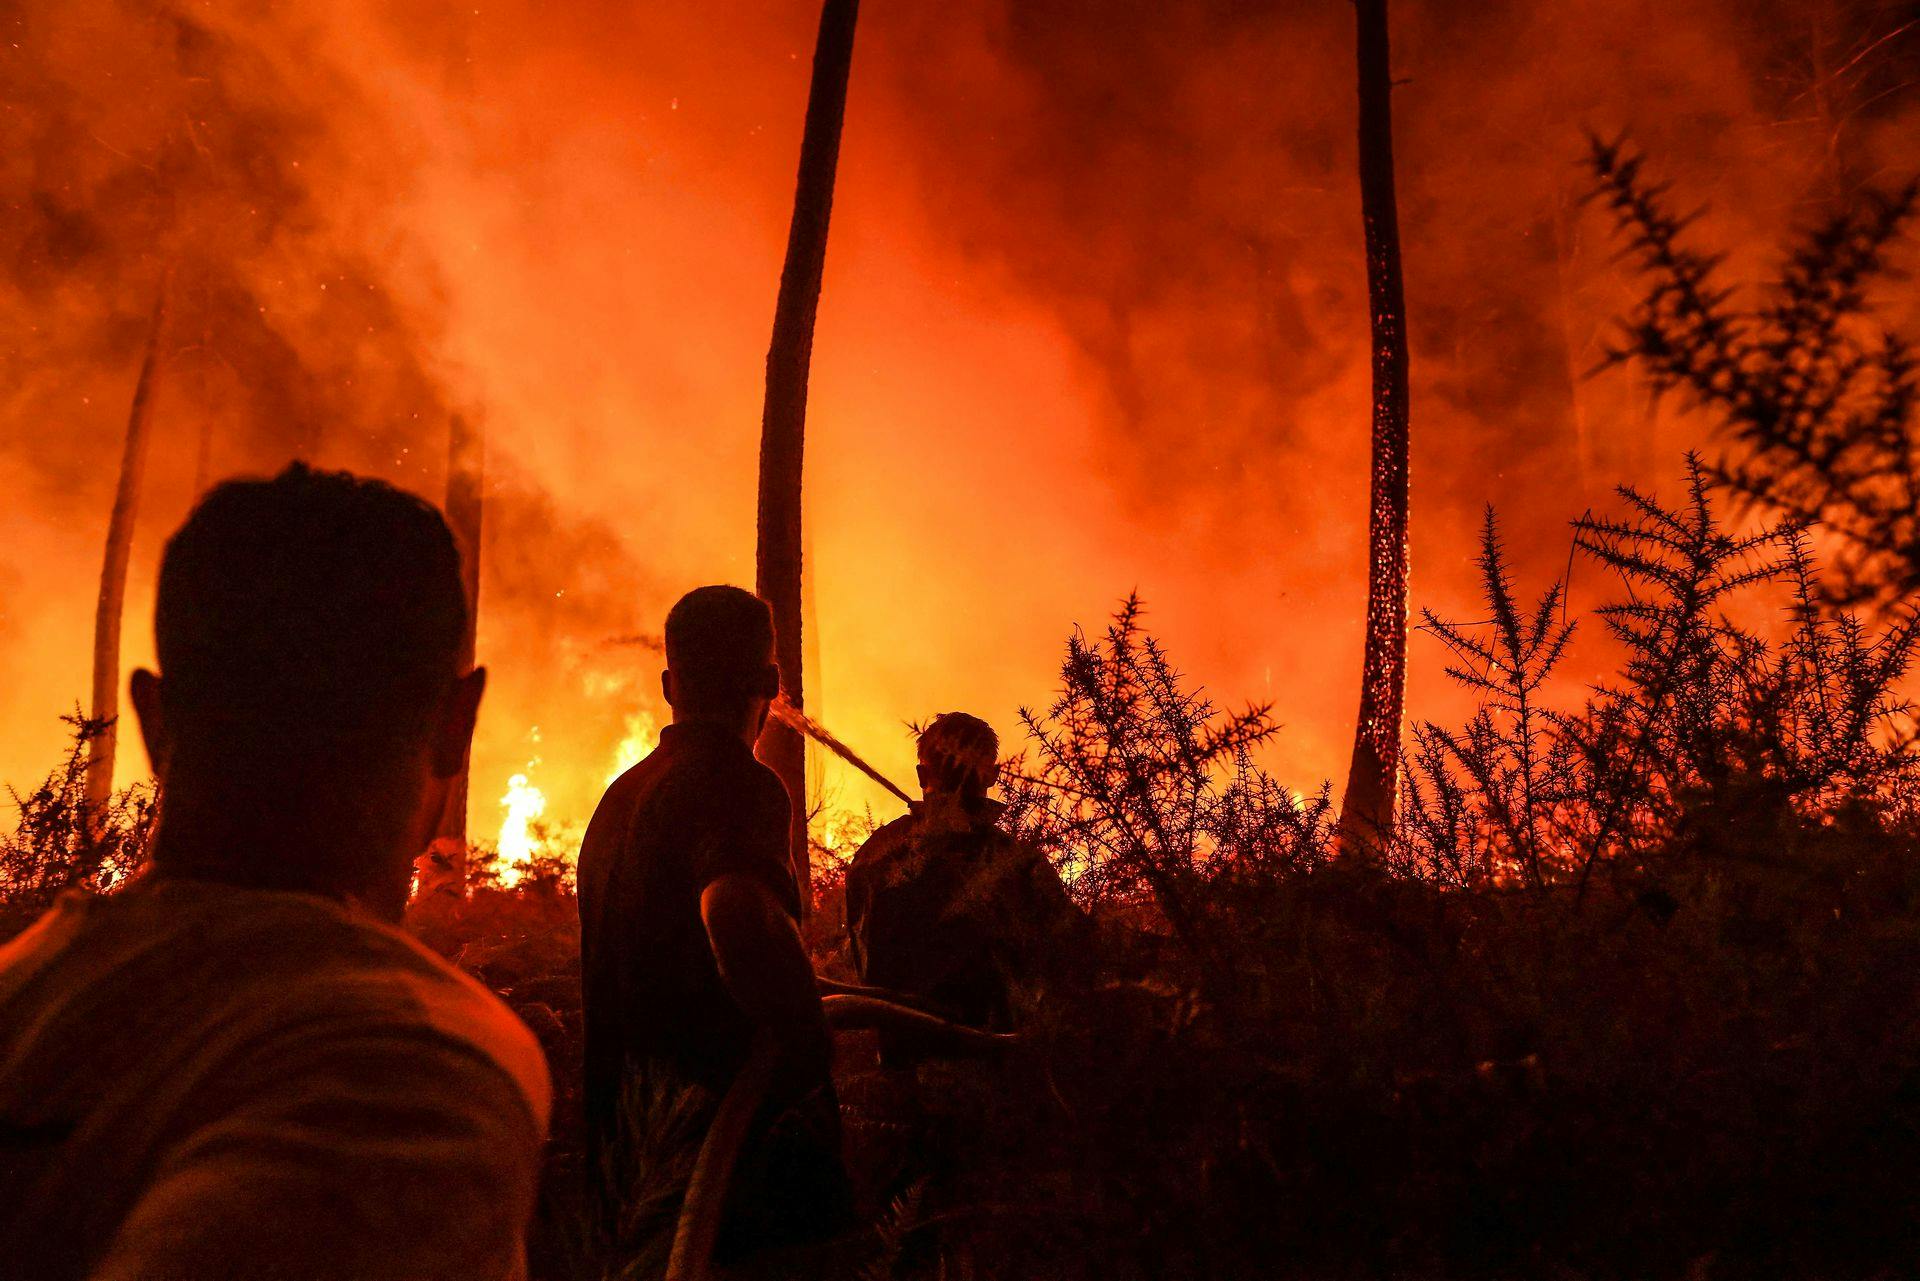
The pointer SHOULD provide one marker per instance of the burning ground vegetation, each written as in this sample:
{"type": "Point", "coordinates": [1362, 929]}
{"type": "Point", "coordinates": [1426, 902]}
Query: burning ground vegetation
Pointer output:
{"type": "Point", "coordinates": [1630, 987]}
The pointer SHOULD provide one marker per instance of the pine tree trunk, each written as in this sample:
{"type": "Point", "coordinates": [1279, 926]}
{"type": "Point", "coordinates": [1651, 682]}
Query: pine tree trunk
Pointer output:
{"type": "Point", "coordinates": [113, 574]}
{"type": "Point", "coordinates": [1373, 779]}
{"type": "Point", "coordinates": [466, 474]}
{"type": "Point", "coordinates": [783, 423]}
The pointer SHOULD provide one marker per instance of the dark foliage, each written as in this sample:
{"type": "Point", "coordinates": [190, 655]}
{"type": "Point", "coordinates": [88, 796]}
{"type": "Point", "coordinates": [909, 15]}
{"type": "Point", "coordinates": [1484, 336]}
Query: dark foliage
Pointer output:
{"type": "Point", "coordinates": [60, 842]}
{"type": "Point", "coordinates": [1621, 1002]}
{"type": "Point", "coordinates": [1484, 802]}
{"type": "Point", "coordinates": [1819, 397]}
{"type": "Point", "coordinates": [1147, 793]}
{"type": "Point", "coordinates": [1706, 716]}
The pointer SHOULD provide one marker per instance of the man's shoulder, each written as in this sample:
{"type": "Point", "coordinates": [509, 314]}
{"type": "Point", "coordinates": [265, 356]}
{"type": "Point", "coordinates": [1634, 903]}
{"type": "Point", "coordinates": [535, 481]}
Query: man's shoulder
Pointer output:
{"type": "Point", "coordinates": [887, 840]}
{"type": "Point", "coordinates": [390, 981]}
{"type": "Point", "coordinates": [697, 772]}
{"type": "Point", "coordinates": [250, 966]}
{"type": "Point", "coordinates": [451, 1004]}
{"type": "Point", "coordinates": [766, 787]}
{"type": "Point", "coordinates": [734, 762]}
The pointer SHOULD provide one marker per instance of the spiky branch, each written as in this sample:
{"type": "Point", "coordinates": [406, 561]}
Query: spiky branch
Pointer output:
{"type": "Point", "coordinates": [1819, 398]}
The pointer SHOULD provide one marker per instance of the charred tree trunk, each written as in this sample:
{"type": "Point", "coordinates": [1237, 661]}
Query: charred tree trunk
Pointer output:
{"type": "Point", "coordinates": [113, 574]}
{"type": "Point", "coordinates": [466, 473]}
{"type": "Point", "coordinates": [1373, 779]}
{"type": "Point", "coordinates": [784, 419]}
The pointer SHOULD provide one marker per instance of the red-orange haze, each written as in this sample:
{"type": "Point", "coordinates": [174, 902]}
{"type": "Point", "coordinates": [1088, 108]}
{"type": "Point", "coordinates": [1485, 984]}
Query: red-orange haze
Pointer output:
{"type": "Point", "coordinates": [1093, 320]}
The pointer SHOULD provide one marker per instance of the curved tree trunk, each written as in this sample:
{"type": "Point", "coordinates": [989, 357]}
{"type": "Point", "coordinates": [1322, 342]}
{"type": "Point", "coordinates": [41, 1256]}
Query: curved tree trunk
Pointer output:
{"type": "Point", "coordinates": [466, 474]}
{"type": "Point", "coordinates": [105, 712]}
{"type": "Point", "coordinates": [1373, 779]}
{"type": "Point", "coordinates": [784, 419]}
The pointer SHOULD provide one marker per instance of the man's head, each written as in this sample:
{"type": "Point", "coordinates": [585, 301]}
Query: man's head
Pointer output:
{"type": "Point", "coordinates": [311, 706]}
{"type": "Point", "coordinates": [720, 666]}
{"type": "Point", "coordinates": [959, 755]}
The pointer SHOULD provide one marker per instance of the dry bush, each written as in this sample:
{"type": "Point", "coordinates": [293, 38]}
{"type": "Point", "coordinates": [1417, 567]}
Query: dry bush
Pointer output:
{"type": "Point", "coordinates": [59, 844]}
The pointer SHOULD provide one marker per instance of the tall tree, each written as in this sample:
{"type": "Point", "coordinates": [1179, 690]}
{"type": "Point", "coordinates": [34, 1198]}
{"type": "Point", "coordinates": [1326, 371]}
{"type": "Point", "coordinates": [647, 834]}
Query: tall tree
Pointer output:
{"type": "Point", "coordinates": [113, 570]}
{"type": "Point", "coordinates": [466, 474]}
{"type": "Point", "coordinates": [1372, 780]}
{"type": "Point", "coordinates": [784, 418]}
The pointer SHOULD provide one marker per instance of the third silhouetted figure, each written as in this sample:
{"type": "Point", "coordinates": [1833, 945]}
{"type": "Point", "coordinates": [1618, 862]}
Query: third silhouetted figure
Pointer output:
{"type": "Point", "coordinates": [945, 907]}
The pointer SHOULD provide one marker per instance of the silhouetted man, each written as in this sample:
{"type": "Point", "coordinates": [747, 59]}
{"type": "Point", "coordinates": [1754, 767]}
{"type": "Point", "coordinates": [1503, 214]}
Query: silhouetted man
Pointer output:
{"type": "Point", "coordinates": [945, 907]}
{"type": "Point", "coordinates": [690, 946]}
{"type": "Point", "coordinates": [237, 1066]}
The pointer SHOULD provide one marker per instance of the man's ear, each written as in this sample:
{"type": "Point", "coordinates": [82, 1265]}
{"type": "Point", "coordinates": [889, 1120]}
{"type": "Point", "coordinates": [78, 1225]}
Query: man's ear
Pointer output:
{"type": "Point", "coordinates": [666, 686]}
{"type": "Point", "coordinates": [453, 735]}
{"type": "Point", "coordinates": [153, 722]}
{"type": "Point", "coordinates": [769, 683]}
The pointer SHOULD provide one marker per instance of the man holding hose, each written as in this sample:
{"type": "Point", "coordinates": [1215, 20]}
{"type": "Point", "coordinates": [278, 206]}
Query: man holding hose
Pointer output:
{"type": "Point", "coordinates": [944, 907]}
{"type": "Point", "coordinates": [691, 951]}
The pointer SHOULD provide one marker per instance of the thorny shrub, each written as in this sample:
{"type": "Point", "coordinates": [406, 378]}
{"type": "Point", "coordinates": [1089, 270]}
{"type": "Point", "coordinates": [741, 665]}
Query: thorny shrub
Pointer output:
{"type": "Point", "coordinates": [59, 842]}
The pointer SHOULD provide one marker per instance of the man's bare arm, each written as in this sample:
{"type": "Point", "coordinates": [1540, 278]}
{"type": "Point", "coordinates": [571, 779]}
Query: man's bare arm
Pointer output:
{"type": "Point", "coordinates": [765, 968]}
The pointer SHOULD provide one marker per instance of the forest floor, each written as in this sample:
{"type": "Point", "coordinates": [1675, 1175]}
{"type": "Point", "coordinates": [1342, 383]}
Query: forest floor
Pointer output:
{"type": "Point", "coordinates": [1723, 1082]}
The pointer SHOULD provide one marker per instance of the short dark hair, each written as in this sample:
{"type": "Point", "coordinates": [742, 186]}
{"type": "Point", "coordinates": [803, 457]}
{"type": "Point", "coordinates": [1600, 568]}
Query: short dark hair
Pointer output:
{"type": "Point", "coordinates": [719, 642]}
{"type": "Point", "coordinates": [306, 612]}
{"type": "Point", "coordinates": [961, 751]}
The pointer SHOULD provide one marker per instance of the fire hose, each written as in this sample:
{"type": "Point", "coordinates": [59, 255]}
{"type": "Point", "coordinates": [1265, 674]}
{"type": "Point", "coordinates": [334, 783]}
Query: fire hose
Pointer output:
{"type": "Point", "coordinates": [846, 1009]}
{"type": "Point", "coordinates": [799, 722]}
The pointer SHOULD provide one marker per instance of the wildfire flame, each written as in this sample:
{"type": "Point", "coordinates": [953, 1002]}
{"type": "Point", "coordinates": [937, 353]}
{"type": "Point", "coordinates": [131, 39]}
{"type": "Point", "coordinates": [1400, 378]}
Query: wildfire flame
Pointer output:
{"type": "Point", "coordinates": [643, 735]}
{"type": "Point", "coordinates": [524, 837]}
{"type": "Point", "coordinates": [520, 839]}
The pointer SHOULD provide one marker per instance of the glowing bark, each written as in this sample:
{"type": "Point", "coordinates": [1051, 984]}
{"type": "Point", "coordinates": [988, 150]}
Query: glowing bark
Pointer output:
{"type": "Point", "coordinates": [783, 422]}
{"type": "Point", "coordinates": [1373, 778]}
{"type": "Point", "coordinates": [113, 573]}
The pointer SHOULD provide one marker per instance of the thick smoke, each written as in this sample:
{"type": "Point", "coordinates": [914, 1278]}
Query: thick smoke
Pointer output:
{"type": "Point", "coordinates": [1176, 184]}
{"type": "Point", "coordinates": [238, 162]}
{"type": "Point", "coordinates": [146, 145]}
{"type": "Point", "coordinates": [149, 148]}
{"type": "Point", "coordinates": [1093, 320]}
